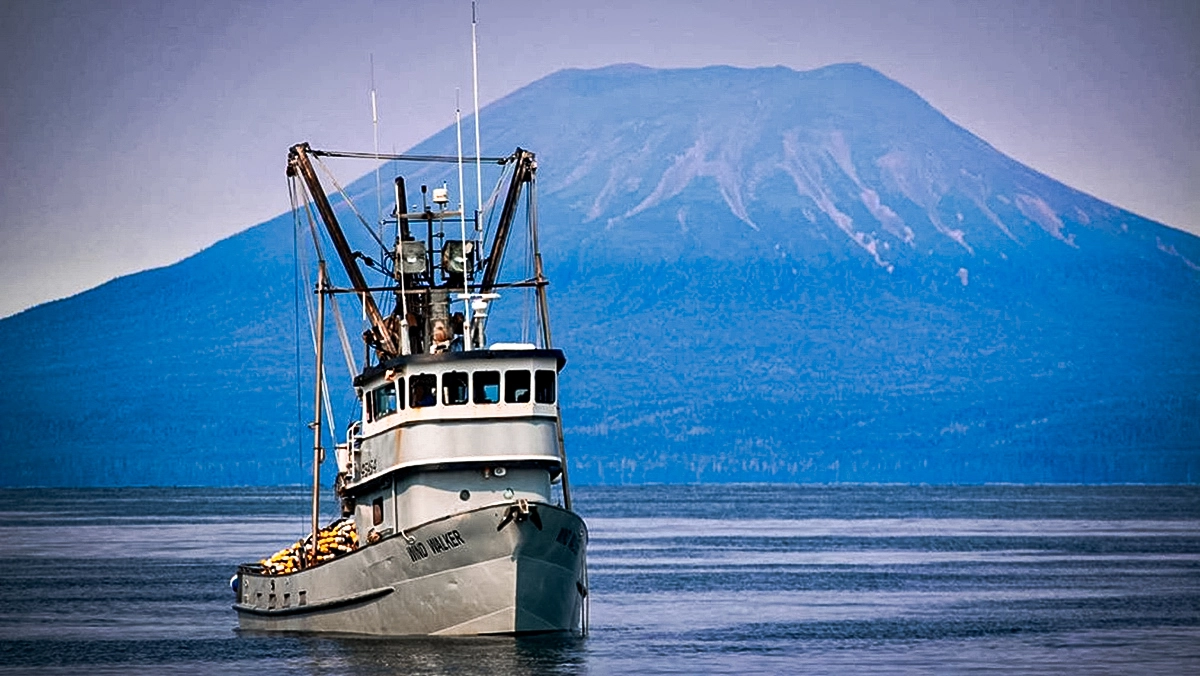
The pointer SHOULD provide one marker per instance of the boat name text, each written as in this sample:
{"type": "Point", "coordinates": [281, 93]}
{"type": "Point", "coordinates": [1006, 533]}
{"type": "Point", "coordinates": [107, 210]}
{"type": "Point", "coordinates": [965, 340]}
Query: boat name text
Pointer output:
{"type": "Point", "coordinates": [437, 544]}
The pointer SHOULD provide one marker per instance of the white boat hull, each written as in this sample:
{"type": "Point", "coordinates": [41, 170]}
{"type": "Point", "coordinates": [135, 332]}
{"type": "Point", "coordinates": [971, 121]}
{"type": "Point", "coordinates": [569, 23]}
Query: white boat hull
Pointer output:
{"type": "Point", "coordinates": [490, 570]}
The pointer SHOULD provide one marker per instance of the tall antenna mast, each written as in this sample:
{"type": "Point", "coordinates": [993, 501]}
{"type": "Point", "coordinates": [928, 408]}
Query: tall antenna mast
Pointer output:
{"type": "Point", "coordinates": [478, 164]}
{"type": "Point", "coordinates": [375, 126]}
{"type": "Point", "coordinates": [462, 227]}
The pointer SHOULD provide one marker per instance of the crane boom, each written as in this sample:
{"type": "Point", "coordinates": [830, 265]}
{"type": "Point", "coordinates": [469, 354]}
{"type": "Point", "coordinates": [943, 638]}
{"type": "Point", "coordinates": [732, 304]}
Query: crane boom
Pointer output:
{"type": "Point", "coordinates": [523, 173]}
{"type": "Point", "coordinates": [299, 164]}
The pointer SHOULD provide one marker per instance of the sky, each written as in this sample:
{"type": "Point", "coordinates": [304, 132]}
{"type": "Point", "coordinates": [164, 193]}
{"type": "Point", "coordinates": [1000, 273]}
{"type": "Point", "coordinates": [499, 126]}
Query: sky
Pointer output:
{"type": "Point", "coordinates": [135, 133]}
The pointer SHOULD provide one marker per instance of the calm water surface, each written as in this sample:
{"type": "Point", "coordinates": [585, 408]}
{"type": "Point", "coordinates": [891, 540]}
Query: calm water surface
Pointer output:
{"type": "Point", "coordinates": [685, 579]}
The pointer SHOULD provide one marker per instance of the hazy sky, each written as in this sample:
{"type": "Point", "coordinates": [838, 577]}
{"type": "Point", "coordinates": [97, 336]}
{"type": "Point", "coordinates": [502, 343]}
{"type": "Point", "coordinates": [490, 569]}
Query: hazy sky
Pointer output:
{"type": "Point", "coordinates": [135, 133]}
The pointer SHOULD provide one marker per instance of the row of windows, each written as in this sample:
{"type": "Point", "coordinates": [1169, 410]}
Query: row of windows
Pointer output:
{"type": "Point", "coordinates": [459, 387]}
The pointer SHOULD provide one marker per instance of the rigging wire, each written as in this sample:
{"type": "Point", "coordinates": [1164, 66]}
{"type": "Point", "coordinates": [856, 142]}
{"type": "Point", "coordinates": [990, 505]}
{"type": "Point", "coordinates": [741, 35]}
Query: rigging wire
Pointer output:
{"type": "Point", "coordinates": [378, 238]}
{"type": "Point", "coordinates": [350, 204]}
{"type": "Point", "coordinates": [491, 208]}
{"type": "Point", "coordinates": [312, 231]}
{"type": "Point", "coordinates": [526, 295]}
{"type": "Point", "coordinates": [347, 351]}
{"type": "Point", "coordinates": [492, 212]}
{"type": "Point", "coordinates": [296, 306]}
{"type": "Point", "coordinates": [445, 159]}
{"type": "Point", "coordinates": [312, 228]}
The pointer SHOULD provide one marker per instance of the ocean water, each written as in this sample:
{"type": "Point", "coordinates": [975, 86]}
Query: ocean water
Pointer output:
{"type": "Point", "coordinates": [740, 579]}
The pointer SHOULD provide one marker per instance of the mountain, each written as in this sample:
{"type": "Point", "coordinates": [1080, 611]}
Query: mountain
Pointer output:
{"type": "Point", "coordinates": [757, 275]}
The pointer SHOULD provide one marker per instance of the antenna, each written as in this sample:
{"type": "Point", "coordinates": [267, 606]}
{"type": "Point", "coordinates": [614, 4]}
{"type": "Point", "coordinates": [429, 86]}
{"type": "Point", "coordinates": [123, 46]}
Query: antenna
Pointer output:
{"type": "Point", "coordinates": [475, 82]}
{"type": "Point", "coordinates": [375, 129]}
{"type": "Point", "coordinates": [462, 227]}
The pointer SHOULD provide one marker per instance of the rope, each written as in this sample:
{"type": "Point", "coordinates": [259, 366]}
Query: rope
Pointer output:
{"type": "Point", "coordinates": [296, 304]}
{"type": "Point", "coordinates": [484, 232]}
{"type": "Point", "coordinates": [449, 159]}
{"type": "Point", "coordinates": [342, 337]}
{"type": "Point", "coordinates": [312, 330]}
{"type": "Point", "coordinates": [346, 349]}
{"type": "Point", "coordinates": [312, 225]}
{"type": "Point", "coordinates": [490, 205]}
{"type": "Point", "coordinates": [346, 199]}
{"type": "Point", "coordinates": [527, 296]}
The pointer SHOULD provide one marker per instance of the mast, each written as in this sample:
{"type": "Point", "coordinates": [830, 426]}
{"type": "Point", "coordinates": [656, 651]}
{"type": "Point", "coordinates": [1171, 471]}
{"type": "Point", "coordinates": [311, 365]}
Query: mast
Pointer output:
{"type": "Point", "coordinates": [538, 273]}
{"type": "Point", "coordinates": [522, 174]}
{"type": "Point", "coordinates": [299, 163]}
{"type": "Point", "coordinates": [544, 319]}
{"type": "Point", "coordinates": [475, 89]}
{"type": "Point", "coordinates": [375, 132]}
{"type": "Point", "coordinates": [318, 452]}
{"type": "Point", "coordinates": [401, 235]}
{"type": "Point", "coordinates": [382, 336]}
{"type": "Point", "coordinates": [468, 342]}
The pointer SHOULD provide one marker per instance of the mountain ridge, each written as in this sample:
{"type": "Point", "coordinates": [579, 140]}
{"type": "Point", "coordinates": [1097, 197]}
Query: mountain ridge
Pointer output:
{"type": "Point", "coordinates": [701, 348]}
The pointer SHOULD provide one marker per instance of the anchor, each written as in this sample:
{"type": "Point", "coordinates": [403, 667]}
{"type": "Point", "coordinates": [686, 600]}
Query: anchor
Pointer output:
{"type": "Point", "coordinates": [519, 512]}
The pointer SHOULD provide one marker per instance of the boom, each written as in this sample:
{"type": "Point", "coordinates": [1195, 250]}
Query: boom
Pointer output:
{"type": "Point", "coordinates": [523, 173]}
{"type": "Point", "coordinates": [423, 292]}
{"type": "Point", "coordinates": [299, 164]}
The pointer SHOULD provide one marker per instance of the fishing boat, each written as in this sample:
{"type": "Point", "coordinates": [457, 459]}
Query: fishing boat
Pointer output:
{"type": "Point", "coordinates": [456, 513]}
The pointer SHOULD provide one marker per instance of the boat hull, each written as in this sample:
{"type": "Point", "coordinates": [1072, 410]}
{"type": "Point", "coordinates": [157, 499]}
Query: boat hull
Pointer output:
{"type": "Point", "coordinates": [492, 570]}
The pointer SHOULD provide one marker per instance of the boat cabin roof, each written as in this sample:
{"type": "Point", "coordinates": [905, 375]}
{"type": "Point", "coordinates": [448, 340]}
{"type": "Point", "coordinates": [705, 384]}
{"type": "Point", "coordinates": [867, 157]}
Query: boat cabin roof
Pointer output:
{"type": "Point", "coordinates": [372, 373]}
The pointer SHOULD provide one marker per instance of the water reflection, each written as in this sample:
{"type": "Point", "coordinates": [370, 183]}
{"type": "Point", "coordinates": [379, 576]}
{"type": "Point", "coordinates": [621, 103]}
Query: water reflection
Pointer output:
{"type": "Point", "coordinates": [491, 656]}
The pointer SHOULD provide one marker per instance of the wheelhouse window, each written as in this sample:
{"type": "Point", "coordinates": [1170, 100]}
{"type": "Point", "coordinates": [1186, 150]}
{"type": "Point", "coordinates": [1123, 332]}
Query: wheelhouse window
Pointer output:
{"type": "Point", "coordinates": [382, 401]}
{"type": "Point", "coordinates": [454, 388]}
{"type": "Point", "coordinates": [516, 387]}
{"type": "Point", "coordinates": [543, 387]}
{"type": "Point", "coordinates": [487, 387]}
{"type": "Point", "coordinates": [422, 390]}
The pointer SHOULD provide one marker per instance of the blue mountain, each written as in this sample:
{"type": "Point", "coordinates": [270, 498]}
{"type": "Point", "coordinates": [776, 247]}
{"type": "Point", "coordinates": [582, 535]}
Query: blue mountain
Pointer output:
{"type": "Point", "coordinates": [757, 275]}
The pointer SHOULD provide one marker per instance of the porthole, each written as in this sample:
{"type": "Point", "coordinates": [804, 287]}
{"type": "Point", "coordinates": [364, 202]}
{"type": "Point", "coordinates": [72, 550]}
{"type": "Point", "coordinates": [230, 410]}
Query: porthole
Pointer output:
{"type": "Point", "coordinates": [464, 495]}
{"type": "Point", "coordinates": [499, 471]}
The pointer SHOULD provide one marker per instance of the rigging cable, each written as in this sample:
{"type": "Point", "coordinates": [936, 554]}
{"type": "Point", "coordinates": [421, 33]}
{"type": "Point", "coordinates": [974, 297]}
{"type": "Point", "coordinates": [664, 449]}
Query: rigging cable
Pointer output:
{"type": "Point", "coordinates": [342, 337]}
{"type": "Point", "coordinates": [526, 295]}
{"type": "Point", "coordinates": [483, 232]}
{"type": "Point", "coordinates": [400, 157]}
{"type": "Point", "coordinates": [347, 351]}
{"type": "Point", "coordinates": [346, 199]}
{"type": "Point", "coordinates": [312, 228]}
{"type": "Point", "coordinates": [539, 291]}
{"type": "Point", "coordinates": [296, 304]}
{"type": "Point", "coordinates": [491, 208]}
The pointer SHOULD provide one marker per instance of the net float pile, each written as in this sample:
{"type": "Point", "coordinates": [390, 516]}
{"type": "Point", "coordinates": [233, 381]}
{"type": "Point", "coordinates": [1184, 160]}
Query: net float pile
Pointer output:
{"type": "Point", "coordinates": [336, 539]}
